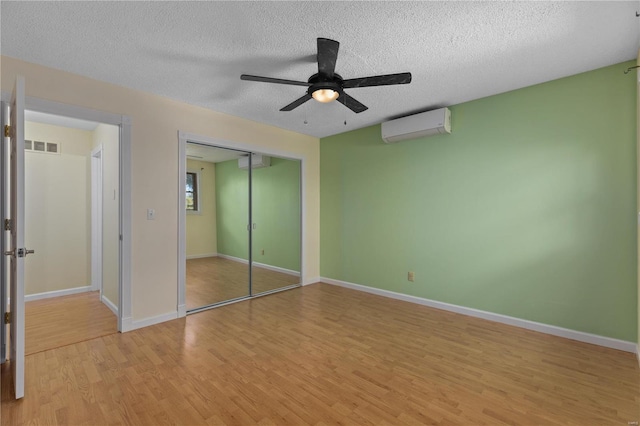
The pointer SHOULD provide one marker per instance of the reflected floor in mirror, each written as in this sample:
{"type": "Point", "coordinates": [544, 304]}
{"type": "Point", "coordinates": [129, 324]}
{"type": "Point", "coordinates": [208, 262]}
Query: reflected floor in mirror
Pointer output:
{"type": "Point", "coordinates": [215, 279]}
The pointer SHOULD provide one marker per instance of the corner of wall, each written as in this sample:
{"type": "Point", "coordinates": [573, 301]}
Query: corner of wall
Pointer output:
{"type": "Point", "coordinates": [127, 325]}
{"type": "Point", "coordinates": [312, 280]}
{"type": "Point", "coordinates": [112, 306]}
{"type": "Point", "coordinates": [157, 319]}
{"type": "Point", "coordinates": [182, 311]}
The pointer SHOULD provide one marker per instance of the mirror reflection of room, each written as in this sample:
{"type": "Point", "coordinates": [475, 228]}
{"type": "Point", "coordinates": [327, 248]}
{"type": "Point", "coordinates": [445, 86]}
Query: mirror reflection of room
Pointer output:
{"type": "Point", "coordinates": [276, 225]}
{"type": "Point", "coordinates": [219, 226]}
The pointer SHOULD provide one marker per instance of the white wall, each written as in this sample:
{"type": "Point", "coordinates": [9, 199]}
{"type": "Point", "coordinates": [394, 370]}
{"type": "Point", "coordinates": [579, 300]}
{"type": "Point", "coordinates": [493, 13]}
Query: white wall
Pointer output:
{"type": "Point", "coordinates": [108, 137]}
{"type": "Point", "coordinates": [58, 210]}
{"type": "Point", "coordinates": [202, 238]}
{"type": "Point", "coordinates": [154, 138]}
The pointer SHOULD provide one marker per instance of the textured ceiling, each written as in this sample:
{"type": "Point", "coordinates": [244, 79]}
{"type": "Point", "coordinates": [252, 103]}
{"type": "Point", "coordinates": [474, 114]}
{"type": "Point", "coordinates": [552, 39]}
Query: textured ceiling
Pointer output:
{"type": "Point", "coordinates": [210, 154]}
{"type": "Point", "coordinates": [58, 120]}
{"type": "Point", "coordinates": [195, 51]}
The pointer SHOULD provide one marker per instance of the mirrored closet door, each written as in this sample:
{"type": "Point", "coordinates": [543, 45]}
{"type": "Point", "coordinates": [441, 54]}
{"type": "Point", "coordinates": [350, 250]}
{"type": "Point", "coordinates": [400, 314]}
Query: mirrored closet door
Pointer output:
{"type": "Point", "coordinates": [243, 225]}
{"type": "Point", "coordinates": [217, 241]}
{"type": "Point", "coordinates": [276, 238]}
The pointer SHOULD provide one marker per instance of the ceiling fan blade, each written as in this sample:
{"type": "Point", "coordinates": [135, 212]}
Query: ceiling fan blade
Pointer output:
{"type": "Point", "coordinates": [327, 56]}
{"type": "Point", "coordinates": [273, 80]}
{"type": "Point", "coordinates": [351, 103]}
{"type": "Point", "coordinates": [297, 103]}
{"type": "Point", "coordinates": [378, 80]}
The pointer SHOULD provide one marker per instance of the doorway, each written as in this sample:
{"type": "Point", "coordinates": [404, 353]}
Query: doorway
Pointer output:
{"type": "Point", "coordinates": [70, 291]}
{"type": "Point", "coordinates": [14, 250]}
{"type": "Point", "coordinates": [242, 225]}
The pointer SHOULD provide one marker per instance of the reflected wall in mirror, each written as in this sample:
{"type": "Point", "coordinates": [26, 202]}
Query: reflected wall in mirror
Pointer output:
{"type": "Point", "coordinates": [238, 216]}
{"type": "Point", "coordinates": [276, 219]}
{"type": "Point", "coordinates": [275, 210]}
{"type": "Point", "coordinates": [211, 276]}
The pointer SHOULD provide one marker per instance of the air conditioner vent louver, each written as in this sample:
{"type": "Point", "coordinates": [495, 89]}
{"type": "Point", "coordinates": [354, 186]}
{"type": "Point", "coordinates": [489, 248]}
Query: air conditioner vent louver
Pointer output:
{"type": "Point", "coordinates": [42, 147]}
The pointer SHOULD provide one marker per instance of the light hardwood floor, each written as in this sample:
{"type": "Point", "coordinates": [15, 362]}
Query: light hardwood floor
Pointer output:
{"type": "Point", "coordinates": [327, 355]}
{"type": "Point", "coordinates": [215, 279]}
{"type": "Point", "coordinates": [60, 321]}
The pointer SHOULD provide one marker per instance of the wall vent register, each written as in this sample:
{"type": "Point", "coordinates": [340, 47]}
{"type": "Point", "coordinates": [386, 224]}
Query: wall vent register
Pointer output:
{"type": "Point", "coordinates": [40, 146]}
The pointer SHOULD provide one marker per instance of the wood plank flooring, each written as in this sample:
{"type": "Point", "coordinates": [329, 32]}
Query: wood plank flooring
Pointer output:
{"type": "Point", "coordinates": [327, 355]}
{"type": "Point", "coordinates": [60, 321]}
{"type": "Point", "coordinates": [215, 279]}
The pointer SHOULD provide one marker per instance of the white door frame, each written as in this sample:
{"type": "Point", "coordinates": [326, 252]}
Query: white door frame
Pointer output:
{"type": "Point", "coordinates": [3, 238]}
{"type": "Point", "coordinates": [96, 219]}
{"type": "Point", "coordinates": [183, 138]}
{"type": "Point", "coordinates": [124, 123]}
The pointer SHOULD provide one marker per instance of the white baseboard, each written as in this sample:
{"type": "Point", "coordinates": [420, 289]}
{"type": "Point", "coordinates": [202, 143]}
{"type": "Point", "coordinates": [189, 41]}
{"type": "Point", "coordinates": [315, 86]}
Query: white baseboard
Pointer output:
{"type": "Point", "coordinates": [235, 259]}
{"type": "Point", "coordinates": [145, 322]}
{"type": "Point", "coordinates": [580, 336]}
{"type": "Point", "coordinates": [201, 256]}
{"type": "Point", "coordinates": [638, 353]}
{"type": "Point", "coordinates": [57, 293]}
{"type": "Point", "coordinates": [277, 269]}
{"type": "Point", "coordinates": [182, 311]}
{"type": "Point", "coordinates": [260, 265]}
{"type": "Point", "coordinates": [312, 280]}
{"type": "Point", "coordinates": [109, 304]}
{"type": "Point", "coordinates": [127, 324]}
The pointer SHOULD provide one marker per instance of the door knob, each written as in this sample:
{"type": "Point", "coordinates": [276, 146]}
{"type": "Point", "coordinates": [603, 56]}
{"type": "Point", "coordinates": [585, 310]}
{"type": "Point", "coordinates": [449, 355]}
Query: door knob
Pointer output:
{"type": "Point", "coordinates": [24, 252]}
{"type": "Point", "coordinates": [10, 252]}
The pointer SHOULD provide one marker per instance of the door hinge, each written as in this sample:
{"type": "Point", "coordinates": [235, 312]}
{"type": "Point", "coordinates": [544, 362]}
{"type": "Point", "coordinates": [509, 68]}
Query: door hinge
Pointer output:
{"type": "Point", "coordinates": [7, 131]}
{"type": "Point", "coordinates": [7, 225]}
{"type": "Point", "coordinates": [7, 317]}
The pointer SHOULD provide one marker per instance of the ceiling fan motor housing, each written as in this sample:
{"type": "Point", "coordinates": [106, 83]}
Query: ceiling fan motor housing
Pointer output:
{"type": "Point", "coordinates": [319, 82]}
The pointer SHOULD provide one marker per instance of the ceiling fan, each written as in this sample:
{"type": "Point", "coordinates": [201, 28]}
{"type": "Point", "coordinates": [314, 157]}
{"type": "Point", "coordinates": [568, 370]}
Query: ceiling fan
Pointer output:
{"type": "Point", "coordinates": [327, 86]}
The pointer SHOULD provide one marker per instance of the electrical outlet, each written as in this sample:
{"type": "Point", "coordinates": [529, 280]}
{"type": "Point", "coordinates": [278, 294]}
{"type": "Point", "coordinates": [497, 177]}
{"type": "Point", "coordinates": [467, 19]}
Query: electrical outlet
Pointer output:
{"type": "Point", "coordinates": [411, 276]}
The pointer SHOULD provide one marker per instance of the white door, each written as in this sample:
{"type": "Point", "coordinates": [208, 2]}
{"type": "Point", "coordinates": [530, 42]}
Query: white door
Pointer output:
{"type": "Point", "coordinates": [16, 251]}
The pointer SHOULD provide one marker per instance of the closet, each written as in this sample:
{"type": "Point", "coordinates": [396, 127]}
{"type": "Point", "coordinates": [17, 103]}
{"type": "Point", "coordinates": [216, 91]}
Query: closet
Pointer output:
{"type": "Point", "coordinates": [243, 225]}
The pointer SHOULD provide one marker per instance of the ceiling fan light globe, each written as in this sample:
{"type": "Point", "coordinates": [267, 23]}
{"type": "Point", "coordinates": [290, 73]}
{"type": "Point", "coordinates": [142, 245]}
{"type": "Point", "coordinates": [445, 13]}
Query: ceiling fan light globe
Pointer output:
{"type": "Point", "coordinates": [325, 95]}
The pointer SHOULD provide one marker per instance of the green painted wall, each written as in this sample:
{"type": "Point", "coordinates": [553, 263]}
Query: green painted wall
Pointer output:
{"type": "Point", "coordinates": [232, 209]}
{"type": "Point", "coordinates": [276, 212]}
{"type": "Point", "coordinates": [527, 209]}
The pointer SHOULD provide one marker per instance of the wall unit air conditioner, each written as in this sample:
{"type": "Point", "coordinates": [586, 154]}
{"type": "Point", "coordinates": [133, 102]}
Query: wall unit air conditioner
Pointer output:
{"type": "Point", "coordinates": [418, 125]}
{"type": "Point", "coordinates": [257, 161]}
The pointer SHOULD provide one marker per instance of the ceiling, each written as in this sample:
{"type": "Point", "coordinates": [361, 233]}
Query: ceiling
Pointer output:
{"type": "Point", "coordinates": [195, 51]}
{"type": "Point", "coordinates": [211, 154]}
{"type": "Point", "coordinates": [59, 120]}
